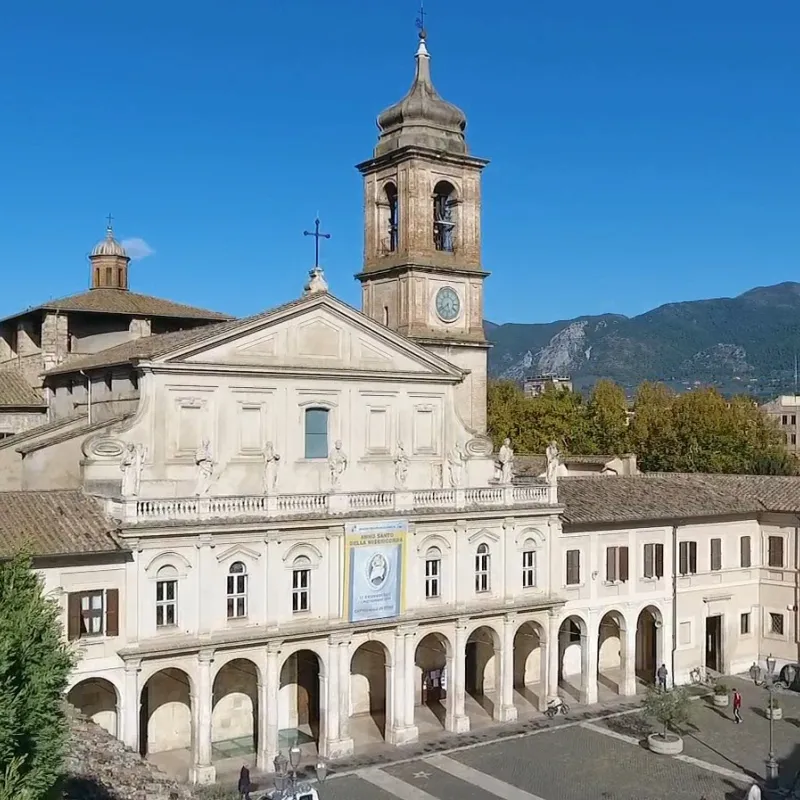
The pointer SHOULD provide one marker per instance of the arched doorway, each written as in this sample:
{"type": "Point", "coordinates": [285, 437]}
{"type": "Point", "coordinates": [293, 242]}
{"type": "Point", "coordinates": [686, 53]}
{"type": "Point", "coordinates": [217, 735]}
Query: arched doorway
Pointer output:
{"type": "Point", "coordinates": [430, 686]}
{"type": "Point", "coordinates": [572, 666]}
{"type": "Point", "coordinates": [530, 664]}
{"type": "Point", "coordinates": [299, 699]}
{"type": "Point", "coordinates": [368, 681]}
{"type": "Point", "coordinates": [234, 715]}
{"type": "Point", "coordinates": [649, 650]}
{"type": "Point", "coordinates": [611, 652]}
{"type": "Point", "coordinates": [165, 713]}
{"type": "Point", "coordinates": [96, 699]}
{"type": "Point", "coordinates": [481, 670]}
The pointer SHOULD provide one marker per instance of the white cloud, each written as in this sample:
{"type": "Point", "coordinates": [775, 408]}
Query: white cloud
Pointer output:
{"type": "Point", "coordinates": [137, 248]}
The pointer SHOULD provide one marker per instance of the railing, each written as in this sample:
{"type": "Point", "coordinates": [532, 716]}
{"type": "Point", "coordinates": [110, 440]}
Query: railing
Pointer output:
{"type": "Point", "coordinates": [136, 510]}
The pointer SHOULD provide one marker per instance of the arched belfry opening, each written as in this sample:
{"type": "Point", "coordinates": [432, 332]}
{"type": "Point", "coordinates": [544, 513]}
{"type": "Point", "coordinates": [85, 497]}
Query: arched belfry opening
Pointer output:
{"type": "Point", "coordinates": [444, 217]}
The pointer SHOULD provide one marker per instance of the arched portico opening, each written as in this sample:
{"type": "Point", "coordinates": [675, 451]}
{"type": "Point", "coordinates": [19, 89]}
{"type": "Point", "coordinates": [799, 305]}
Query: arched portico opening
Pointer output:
{"type": "Point", "coordinates": [234, 715]}
{"type": "Point", "coordinates": [299, 699]}
{"type": "Point", "coordinates": [481, 671]}
{"type": "Point", "coordinates": [96, 698]}
{"type": "Point", "coordinates": [430, 688]}
{"type": "Point", "coordinates": [611, 653]}
{"type": "Point", "coordinates": [530, 665]}
{"type": "Point", "coordinates": [649, 644]}
{"type": "Point", "coordinates": [572, 666]}
{"type": "Point", "coordinates": [165, 713]}
{"type": "Point", "coordinates": [368, 696]}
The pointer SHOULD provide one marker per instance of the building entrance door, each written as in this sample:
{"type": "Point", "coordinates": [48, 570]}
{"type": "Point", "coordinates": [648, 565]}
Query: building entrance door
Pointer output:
{"type": "Point", "coordinates": [714, 643]}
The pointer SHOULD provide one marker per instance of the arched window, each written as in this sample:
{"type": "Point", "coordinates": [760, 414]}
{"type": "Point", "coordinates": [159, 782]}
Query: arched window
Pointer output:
{"type": "Point", "coordinates": [301, 584]}
{"type": "Point", "coordinates": [433, 572]}
{"type": "Point", "coordinates": [237, 590]}
{"type": "Point", "coordinates": [444, 217]}
{"type": "Point", "coordinates": [483, 561]}
{"type": "Point", "coordinates": [529, 564]}
{"type": "Point", "coordinates": [392, 217]}
{"type": "Point", "coordinates": [316, 433]}
{"type": "Point", "coordinates": [166, 596]}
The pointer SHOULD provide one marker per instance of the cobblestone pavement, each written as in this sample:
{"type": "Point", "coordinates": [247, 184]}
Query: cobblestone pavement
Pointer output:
{"type": "Point", "coordinates": [602, 758]}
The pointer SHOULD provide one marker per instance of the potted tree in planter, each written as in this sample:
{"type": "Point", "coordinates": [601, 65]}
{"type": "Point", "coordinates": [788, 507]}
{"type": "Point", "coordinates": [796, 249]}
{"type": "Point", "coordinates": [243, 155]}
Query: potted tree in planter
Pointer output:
{"type": "Point", "coordinates": [671, 709]}
{"type": "Point", "coordinates": [774, 710]}
{"type": "Point", "coordinates": [720, 697]}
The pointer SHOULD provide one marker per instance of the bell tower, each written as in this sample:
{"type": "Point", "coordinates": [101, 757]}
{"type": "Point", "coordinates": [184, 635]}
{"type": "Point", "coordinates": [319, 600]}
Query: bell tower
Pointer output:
{"type": "Point", "coordinates": [422, 273]}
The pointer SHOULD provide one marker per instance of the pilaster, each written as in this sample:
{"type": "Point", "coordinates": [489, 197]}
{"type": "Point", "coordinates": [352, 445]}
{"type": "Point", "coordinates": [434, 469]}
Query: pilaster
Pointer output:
{"type": "Point", "coordinates": [202, 770]}
{"type": "Point", "coordinates": [403, 730]}
{"type": "Point", "coordinates": [629, 659]}
{"type": "Point", "coordinates": [268, 710]}
{"type": "Point", "coordinates": [338, 699]}
{"type": "Point", "coordinates": [456, 720]}
{"type": "Point", "coordinates": [128, 723]}
{"type": "Point", "coordinates": [553, 657]}
{"type": "Point", "coordinates": [505, 710]}
{"type": "Point", "coordinates": [589, 652]}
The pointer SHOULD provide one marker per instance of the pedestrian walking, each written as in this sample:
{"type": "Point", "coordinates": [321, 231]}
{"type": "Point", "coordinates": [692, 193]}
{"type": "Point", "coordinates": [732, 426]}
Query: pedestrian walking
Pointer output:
{"type": "Point", "coordinates": [244, 787]}
{"type": "Point", "coordinates": [737, 706]}
{"type": "Point", "coordinates": [661, 674]}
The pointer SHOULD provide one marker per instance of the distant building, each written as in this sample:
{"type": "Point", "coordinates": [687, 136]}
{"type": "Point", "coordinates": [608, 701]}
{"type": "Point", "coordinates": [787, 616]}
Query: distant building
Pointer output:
{"type": "Point", "coordinates": [785, 410]}
{"type": "Point", "coordinates": [535, 466]}
{"type": "Point", "coordinates": [536, 385]}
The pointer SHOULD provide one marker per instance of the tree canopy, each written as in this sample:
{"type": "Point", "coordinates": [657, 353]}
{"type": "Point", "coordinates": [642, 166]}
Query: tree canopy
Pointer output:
{"type": "Point", "coordinates": [697, 431]}
{"type": "Point", "coordinates": [35, 664]}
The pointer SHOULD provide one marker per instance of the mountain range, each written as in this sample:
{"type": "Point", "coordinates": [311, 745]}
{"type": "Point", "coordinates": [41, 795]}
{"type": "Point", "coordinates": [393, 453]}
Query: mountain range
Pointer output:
{"type": "Point", "coordinates": [739, 344]}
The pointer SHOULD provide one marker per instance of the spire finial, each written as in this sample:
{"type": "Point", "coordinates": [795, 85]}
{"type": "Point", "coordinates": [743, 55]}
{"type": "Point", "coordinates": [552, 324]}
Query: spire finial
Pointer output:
{"type": "Point", "coordinates": [109, 227]}
{"type": "Point", "coordinates": [421, 22]}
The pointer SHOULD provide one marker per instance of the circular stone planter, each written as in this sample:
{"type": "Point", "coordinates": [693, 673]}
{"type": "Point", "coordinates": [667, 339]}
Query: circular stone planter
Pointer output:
{"type": "Point", "coordinates": [776, 713]}
{"type": "Point", "coordinates": [720, 700]}
{"type": "Point", "coordinates": [671, 746]}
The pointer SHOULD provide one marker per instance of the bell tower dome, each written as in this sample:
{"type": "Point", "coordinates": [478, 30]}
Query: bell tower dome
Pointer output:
{"type": "Point", "coordinates": [422, 272]}
{"type": "Point", "coordinates": [109, 263]}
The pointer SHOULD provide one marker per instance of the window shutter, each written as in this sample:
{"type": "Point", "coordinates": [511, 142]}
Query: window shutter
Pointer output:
{"type": "Point", "coordinates": [659, 571]}
{"type": "Point", "coordinates": [611, 563]}
{"type": "Point", "coordinates": [623, 564]}
{"type": "Point", "coordinates": [744, 551]}
{"type": "Point", "coordinates": [683, 558]}
{"type": "Point", "coordinates": [73, 615]}
{"type": "Point", "coordinates": [716, 554]}
{"type": "Point", "coordinates": [693, 557]}
{"type": "Point", "coordinates": [112, 612]}
{"type": "Point", "coordinates": [649, 560]}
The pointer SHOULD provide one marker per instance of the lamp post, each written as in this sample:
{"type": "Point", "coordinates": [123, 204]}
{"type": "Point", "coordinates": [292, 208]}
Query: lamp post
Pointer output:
{"type": "Point", "coordinates": [768, 680]}
{"type": "Point", "coordinates": [287, 785]}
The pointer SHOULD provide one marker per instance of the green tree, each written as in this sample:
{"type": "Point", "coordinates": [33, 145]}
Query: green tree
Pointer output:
{"type": "Point", "coordinates": [672, 709]}
{"type": "Point", "coordinates": [35, 664]}
{"type": "Point", "coordinates": [607, 419]}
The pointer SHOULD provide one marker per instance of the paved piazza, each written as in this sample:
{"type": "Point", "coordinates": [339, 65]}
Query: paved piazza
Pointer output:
{"type": "Point", "coordinates": [601, 759]}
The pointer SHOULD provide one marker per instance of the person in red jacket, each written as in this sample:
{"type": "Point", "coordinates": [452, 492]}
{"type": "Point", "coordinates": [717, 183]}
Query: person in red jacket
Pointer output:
{"type": "Point", "coordinates": [737, 706]}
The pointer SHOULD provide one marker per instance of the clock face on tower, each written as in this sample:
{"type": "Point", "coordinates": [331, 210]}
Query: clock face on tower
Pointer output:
{"type": "Point", "coordinates": [448, 305]}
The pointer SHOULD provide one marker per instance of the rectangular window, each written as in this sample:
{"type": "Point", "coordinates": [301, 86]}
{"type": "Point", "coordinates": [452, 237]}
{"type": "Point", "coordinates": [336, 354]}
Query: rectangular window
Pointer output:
{"type": "Point", "coordinates": [166, 603]}
{"type": "Point", "coordinates": [793, 438]}
{"type": "Point", "coordinates": [616, 564]}
{"type": "Point", "coordinates": [94, 613]}
{"type": "Point", "coordinates": [316, 432]}
{"type": "Point", "coordinates": [654, 560]}
{"type": "Point", "coordinates": [573, 567]}
{"type": "Point", "coordinates": [528, 569]}
{"type": "Point", "coordinates": [776, 624]}
{"type": "Point", "coordinates": [794, 419]}
{"type": "Point", "coordinates": [237, 591]}
{"type": "Point", "coordinates": [433, 567]}
{"type": "Point", "coordinates": [687, 558]}
{"type": "Point", "coordinates": [744, 552]}
{"type": "Point", "coordinates": [716, 555]}
{"type": "Point", "coordinates": [301, 584]}
{"type": "Point", "coordinates": [744, 624]}
{"type": "Point", "coordinates": [775, 551]}
{"type": "Point", "coordinates": [482, 571]}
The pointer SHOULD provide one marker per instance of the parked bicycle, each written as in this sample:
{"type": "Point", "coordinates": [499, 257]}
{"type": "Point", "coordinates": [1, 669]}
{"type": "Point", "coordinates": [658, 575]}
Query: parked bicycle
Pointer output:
{"type": "Point", "coordinates": [555, 707]}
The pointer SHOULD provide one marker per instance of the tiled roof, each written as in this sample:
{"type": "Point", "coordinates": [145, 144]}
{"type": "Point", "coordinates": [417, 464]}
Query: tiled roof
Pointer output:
{"type": "Point", "coordinates": [53, 523]}
{"type": "Point", "coordinates": [33, 433]}
{"type": "Point", "coordinates": [16, 391]}
{"type": "Point", "coordinates": [57, 436]}
{"type": "Point", "coordinates": [536, 464]}
{"type": "Point", "coordinates": [122, 301]}
{"type": "Point", "coordinates": [612, 499]}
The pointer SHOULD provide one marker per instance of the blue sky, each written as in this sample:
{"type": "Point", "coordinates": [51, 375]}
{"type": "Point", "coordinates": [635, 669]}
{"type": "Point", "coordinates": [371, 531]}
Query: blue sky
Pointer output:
{"type": "Point", "coordinates": [641, 153]}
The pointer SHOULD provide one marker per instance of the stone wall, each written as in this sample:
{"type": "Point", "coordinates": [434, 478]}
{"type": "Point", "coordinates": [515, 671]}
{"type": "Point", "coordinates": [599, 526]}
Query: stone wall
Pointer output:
{"type": "Point", "coordinates": [99, 767]}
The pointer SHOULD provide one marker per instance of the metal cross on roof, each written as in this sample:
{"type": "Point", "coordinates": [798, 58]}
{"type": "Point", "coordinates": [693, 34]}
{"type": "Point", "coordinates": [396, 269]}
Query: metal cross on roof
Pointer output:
{"type": "Point", "coordinates": [421, 20]}
{"type": "Point", "coordinates": [317, 236]}
{"type": "Point", "coordinates": [110, 221]}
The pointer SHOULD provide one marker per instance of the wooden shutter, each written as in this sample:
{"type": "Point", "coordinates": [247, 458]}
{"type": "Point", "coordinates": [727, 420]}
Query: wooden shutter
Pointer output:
{"type": "Point", "coordinates": [716, 554]}
{"type": "Point", "coordinates": [693, 558]}
{"type": "Point", "coordinates": [611, 563]}
{"type": "Point", "coordinates": [775, 551]}
{"type": "Point", "coordinates": [683, 558]}
{"type": "Point", "coordinates": [573, 567]}
{"type": "Point", "coordinates": [73, 615]}
{"type": "Point", "coordinates": [112, 612]}
{"type": "Point", "coordinates": [744, 551]}
{"type": "Point", "coordinates": [623, 564]}
{"type": "Point", "coordinates": [659, 565]}
{"type": "Point", "coordinates": [649, 560]}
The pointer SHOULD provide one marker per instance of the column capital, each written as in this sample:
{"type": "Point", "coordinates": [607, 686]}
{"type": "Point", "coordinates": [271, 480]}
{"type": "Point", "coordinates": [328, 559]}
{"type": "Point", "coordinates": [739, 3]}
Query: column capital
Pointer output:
{"type": "Point", "coordinates": [510, 618]}
{"type": "Point", "coordinates": [132, 665]}
{"type": "Point", "coordinates": [205, 540]}
{"type": "Point", "coordinates": [462, 622]}
{"type": "Point", "coordinates": [274, 648]}
{"type": "Point", "coordinates": [205, 656]}
{"type": "Point", "coordinates": [342, 638]}
{"type": "Point", "coordinates": [509, 522]}
{"type": "Point", "coordinates": [407, 630]}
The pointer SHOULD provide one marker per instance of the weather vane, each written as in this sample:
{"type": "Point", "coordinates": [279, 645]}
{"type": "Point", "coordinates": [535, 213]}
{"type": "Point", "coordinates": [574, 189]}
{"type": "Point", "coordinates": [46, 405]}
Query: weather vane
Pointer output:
{"type": "Point", "coordinates": [421, 21]}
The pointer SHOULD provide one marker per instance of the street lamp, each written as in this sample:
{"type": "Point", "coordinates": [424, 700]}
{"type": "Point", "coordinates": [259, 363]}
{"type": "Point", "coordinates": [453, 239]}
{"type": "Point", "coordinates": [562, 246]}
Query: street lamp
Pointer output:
{"type": "Point", "coordinates": [770, 681]}
{"type": "Point", "coordinates": [287, 785]}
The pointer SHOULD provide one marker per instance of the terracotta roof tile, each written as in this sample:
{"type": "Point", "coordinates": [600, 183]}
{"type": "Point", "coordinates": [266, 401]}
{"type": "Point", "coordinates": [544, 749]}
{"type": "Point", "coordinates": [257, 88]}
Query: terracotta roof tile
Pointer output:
{"type": "Point", "coordinates": [16, 391]}
{"type": "Point", "coordinates": [54, 523]}
{"type": "Point", "coordinates": [33, 433]}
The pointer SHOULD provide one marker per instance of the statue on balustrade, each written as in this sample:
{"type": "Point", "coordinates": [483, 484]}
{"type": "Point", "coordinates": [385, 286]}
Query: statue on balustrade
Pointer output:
{"type": "Point", "coordinates": [271, 463]}
{"type": "Point", "coordinates": [337, 464]}
{"type": "Point", "coordinates": [504, 465]}
{"type": "Point", "coordinates": [455, 464]}
{"type": "Point", "coordinates": [553, 460]}
{"type": "Point", "coordinates": [205, 468]}
{"type": "Point", "coordinates": [131, 465]}
{"type": "Point", "coordinates": [400, 467]}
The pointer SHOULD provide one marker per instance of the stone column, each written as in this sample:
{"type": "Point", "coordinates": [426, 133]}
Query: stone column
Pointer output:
{"type": "Point", "coordinates": [338, 699]}
{"type": "Point", "coordinates": [400, 732]}
{"type": "Point", "coordinates": [628, 648]}
{"type": "Point", "coordinates": [589, 654]}
{"type": "Point", "coordinates": [505, 710]}
{"type": "Point", "coordinates": [346, 742]}
{"type": "Point", "coordinates": [456, 720]}
{"type": "Point", "coordinates": [128, 713]}
{"type": "Point", "coordinates": [409, 649]}
{"type": "Point", "coordinates": [553, 659]}
{"type": "Point", "coordinates": [202, 770]}
{"type": "Point", "coordinates": [268, 719]}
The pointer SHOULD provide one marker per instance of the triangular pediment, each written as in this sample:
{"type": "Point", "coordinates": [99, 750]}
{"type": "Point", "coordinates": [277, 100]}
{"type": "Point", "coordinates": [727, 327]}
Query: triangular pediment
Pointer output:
{"type": "Point", "coordinates": [317, 333]}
